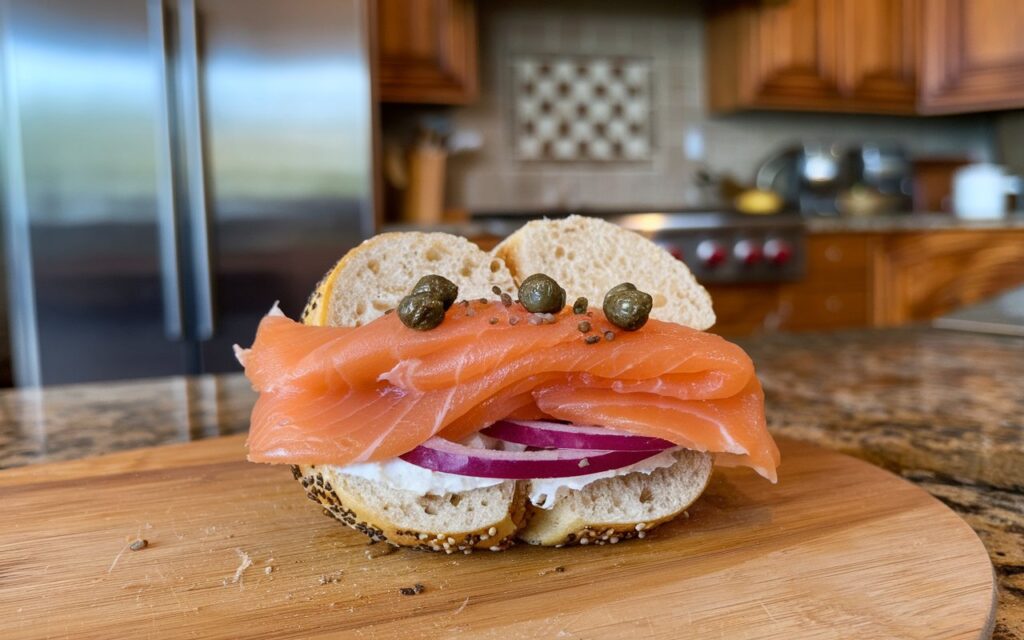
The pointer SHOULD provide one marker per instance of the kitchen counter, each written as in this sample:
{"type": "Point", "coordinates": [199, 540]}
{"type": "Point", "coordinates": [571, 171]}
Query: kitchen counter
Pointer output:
{"type": "Point", "coordinates": [897, 223]}
{"type": "Point", "coordinates": [912, 222]}
{"type": "Point", "coordinates": [943, 409]}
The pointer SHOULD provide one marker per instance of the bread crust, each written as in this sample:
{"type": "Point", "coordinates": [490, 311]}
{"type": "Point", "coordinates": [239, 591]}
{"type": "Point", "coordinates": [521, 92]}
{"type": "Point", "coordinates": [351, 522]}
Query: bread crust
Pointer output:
{"type": "Point", "coordinates": [349, 508]}
{"type": "Point", "coordinates": [542, 526]}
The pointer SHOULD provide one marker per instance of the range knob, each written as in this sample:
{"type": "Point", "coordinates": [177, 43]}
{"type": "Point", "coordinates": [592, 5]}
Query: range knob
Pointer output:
{"type": "Point", "coordinates": [778, 252]}
{"type": "Point", "coordinates": [710, 253]}
{"type": "Point", "coordinates": [674, 251]}
{"type": "Point", "coordinates": [748, 252]}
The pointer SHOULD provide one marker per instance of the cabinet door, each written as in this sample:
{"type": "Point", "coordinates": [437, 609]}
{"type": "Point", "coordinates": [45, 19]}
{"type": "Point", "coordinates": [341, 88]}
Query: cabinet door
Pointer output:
{"type": "Point", "coordinates": [878, 54]}
{"type": "Point", "coordinates": [920, 276]}
{"type": "Point", "coordinates": [780, 55]}
{"type": "Point", "coordinates": [814, 55]}
{"type": "Point", "coordinates": [972, 55]}
{"type": "Point", "coordinates": [426, 51]}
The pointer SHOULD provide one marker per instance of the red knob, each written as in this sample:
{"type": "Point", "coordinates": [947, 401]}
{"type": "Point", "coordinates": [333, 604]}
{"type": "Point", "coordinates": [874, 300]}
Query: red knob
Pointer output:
{"type": "Point", "coordinates": [748, 252]}
{"type": "Point", "coordinates": [778, 252]}
{"type": "Point", "coordinates": [710, 253]}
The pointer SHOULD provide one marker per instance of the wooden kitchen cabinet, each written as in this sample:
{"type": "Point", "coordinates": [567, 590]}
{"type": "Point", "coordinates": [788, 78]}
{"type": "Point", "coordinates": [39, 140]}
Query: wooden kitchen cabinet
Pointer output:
{"type": "Point", "coordinates": [877, 279]}
{"type": "Point", "coordinates": [920, 276]}
{"type": "Point", "coordinates": [815, 55]}
{"type": "Point", "coordinates": [426, 51]}
{"type": "Point", "coordinates": [835, 293]}
{"type": "Point", "coordinates": [972, 55]}
{"type": "Point", "coordinates": [878, 54]}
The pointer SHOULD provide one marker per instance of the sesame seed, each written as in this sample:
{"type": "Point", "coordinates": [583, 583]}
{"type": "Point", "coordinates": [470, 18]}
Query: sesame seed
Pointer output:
{"type": "Point", "coordinates": [609, 336]}
{"type": "Point", "coordinates": [513, 320]}
{"type": "Point", "coordinates": [580, 306]}
{"type": "Point", "coordinates": [422, 536]}
{"type": "Point", "coordinates": [641, 534]}
{"type": "Point", "coordinates": [534, 320]}
{"type": "Point", "coordinates": [592, 339]}
{"type": "Point", "coordinates": [584, 463]}
{"type": "Point", "coordinates": [583, 326]}
{"type": "Point", "coordinates": [492, 531]}
{"type": "Point", "coordinates": [614, 539]}
{"type": "Point", "coordinates": [506, 300]}
{"type": "Point", "coordinates": [139, 544]}
{"type": "Point", "coordinates": [496, 290]}
{"type": "Point", "coordinates": [492, 320]}
{"type": "Point", "coordinates": [640, 526]}
{"type": "Point", "coordinates": [451, 540]}
{"type": "Point", "coordinates": [495, 548]}
{"type": "Point", "coordinates": [609, 532]}
{"type": "Point", "coordinates": [482, 300]}
{"type": "Point", "coordinates": [584, 540]}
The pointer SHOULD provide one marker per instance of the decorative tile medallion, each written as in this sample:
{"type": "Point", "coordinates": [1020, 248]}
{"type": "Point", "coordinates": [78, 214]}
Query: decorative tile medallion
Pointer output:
{"type": "Point", "coordinates": [571, 108]}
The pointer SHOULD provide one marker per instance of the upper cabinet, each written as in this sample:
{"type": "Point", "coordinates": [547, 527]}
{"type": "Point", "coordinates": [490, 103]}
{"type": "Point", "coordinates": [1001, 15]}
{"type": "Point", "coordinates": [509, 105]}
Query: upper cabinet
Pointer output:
{"type": "Point", "coordinates": [972, 55]}
{"type": "Point", "coordinates": [866, 56]}
{"type": "Point", "coordinates": [878, 54]}
{"type": "Point", "coordinates": [426, 51]}
{"type": "Point", "coordinates": [815, 55]}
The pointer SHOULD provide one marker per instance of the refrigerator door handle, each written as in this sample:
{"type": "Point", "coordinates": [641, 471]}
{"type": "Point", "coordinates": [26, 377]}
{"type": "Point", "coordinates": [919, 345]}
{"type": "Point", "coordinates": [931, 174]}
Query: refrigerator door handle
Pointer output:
{"type": "Point", "coordinates": [192, 134]}
{"type": "Point", "coordinates": [167, 225]}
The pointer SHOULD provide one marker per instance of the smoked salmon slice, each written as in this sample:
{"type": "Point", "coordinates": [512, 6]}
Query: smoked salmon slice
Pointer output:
{"type": "Point", "coordinates": [339, 395]}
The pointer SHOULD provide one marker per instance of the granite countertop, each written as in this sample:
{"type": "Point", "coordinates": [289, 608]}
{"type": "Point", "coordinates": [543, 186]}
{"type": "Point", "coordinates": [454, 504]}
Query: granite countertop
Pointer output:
{"type": "Point", "coordinates": [943, 409]}
{"type": "Point", "coordinates": [909, 222]}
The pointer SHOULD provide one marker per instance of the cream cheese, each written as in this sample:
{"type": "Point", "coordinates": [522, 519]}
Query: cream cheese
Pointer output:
{"type": "Point", "coordinates": [544, 493]}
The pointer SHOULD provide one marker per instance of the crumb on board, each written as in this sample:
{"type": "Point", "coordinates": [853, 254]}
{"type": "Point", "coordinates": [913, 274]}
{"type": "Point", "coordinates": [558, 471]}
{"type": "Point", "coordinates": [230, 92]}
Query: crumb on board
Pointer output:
{"type": "Point", "coordinates": [461, 607]}
{"type": "Point", "coordinates": [558, 569]}
{"type": "Point", "coordinates": [414, 590]}
{"type": "Point", "coordinates": [139, 544]}
{"type": "Point", "coordinates": [244, 562]}
{"type": "Point", "coordinates": [332, 578]}
{"type": "Point", "coordinates": [380, 550]}
{"type": "Point", "coordinates": [268, 570]}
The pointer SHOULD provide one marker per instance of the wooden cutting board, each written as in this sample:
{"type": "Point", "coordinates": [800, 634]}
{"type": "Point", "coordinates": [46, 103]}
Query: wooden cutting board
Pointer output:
{"type": "Point", "coordinates": [838, 549]}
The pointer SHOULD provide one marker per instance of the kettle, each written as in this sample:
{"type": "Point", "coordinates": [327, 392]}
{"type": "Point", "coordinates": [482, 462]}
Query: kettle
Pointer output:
{"type": "Point", "coordinates": [980, 190]}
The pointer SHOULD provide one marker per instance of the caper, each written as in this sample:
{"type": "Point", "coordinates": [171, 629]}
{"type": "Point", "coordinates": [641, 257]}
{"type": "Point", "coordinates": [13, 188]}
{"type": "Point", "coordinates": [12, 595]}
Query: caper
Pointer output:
{"type": "Point", "coordinates": [628, 308]}
{"type": "Point", "coordinates": [541, 294]}
{"type": "Point", "coordinates": [580, 306]}
{"type": "Point", "coordinates": [625, 286]}
{"type": "Point", "coordinates": [438, 287]}
{"type": "Point", "coordinates": [420, 311]}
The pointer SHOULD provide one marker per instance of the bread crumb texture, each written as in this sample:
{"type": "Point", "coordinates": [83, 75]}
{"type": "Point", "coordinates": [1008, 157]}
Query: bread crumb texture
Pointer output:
{"type": "Point", "coordinates": [589, 256]}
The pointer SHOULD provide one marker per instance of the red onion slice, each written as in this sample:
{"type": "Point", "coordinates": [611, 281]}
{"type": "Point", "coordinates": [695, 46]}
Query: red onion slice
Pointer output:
{"type": "Point", "coordinates": [438, 454]}
{"type": "Point", "coordinates": [555, 435]}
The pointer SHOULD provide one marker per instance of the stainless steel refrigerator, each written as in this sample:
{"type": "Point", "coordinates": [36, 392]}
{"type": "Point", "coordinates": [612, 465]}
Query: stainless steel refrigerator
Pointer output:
{"type": "Point", "coordinates": [170, 169]}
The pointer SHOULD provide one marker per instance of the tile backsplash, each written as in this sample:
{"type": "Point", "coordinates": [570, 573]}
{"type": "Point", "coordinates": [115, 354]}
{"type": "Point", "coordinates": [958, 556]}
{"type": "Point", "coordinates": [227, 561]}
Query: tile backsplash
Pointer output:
{"type": "Point", "coordinates": [576, 108]}
{"type": "Point", "coordinates": [520, 167]}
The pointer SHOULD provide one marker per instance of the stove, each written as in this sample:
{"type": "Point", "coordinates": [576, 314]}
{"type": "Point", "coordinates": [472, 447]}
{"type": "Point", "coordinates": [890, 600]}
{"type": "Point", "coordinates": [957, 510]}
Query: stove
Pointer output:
{"type": "Point", "coordinates": [728, 248]}
{"type": "Point", "coordinates": [718, 247]}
